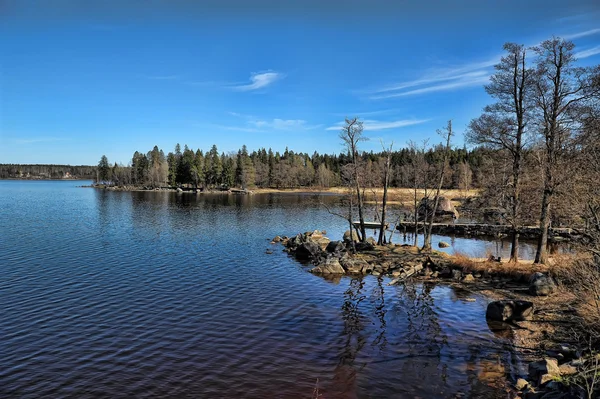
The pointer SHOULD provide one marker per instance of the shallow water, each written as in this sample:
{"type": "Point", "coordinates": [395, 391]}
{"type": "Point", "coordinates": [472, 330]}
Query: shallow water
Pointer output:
{"type": "Point", "coordinates": [125, 294]}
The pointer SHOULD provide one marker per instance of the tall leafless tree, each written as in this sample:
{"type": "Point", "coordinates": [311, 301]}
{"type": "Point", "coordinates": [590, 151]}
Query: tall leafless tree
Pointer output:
{"type": "Point", "coordinates": [351, 135]}
{"type": "Point", "coordinates": [560, 88]}
{"type": "Point", "coordinates": [386, 182]}
{"type": "Point", "coordinates": [503, 124]}
{"type": "Point", "coordinates": [429, 229]}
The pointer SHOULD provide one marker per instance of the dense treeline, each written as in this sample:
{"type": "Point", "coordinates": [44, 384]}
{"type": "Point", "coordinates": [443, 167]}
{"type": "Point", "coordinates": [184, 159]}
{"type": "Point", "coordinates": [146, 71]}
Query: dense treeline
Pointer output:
{"type": "Point", "coordinates": [265, 168]}
{"type": "Point", "coordinates": [13, 171]}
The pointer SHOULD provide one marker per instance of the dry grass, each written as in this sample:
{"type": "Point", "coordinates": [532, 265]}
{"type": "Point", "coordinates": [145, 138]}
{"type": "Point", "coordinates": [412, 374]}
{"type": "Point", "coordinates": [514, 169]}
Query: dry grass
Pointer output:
{"type": "Point", "coordinates": [403, 196]}
{"type": "Point", "coordinates": [520, 270]}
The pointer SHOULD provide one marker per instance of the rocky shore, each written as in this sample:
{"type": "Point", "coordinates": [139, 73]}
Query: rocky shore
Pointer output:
{"type": "Point", "coordinates": [531, 309]}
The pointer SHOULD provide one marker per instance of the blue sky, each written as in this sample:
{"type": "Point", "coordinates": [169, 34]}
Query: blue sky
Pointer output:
{"type": "Point", "coordinates": [82, 79]}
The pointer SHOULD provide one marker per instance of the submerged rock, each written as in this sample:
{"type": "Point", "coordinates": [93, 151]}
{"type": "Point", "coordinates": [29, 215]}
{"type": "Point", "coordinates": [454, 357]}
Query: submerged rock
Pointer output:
{"type": "Point", "coordinates": [541, 285]}
{"type": "Point", "coordinates": [508, 310]}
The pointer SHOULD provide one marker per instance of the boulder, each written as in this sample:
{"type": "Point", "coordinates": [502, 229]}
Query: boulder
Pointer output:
{"type": "Point", "coordinates": [276, 239]}
{"type": "Point", "coordinates": [308, 250]}
{"type": "Point", "coordinates": [354, 266]}
{"type": "Point", "coordinates": [521, 384]}
{"type": "Point", "coordinates": [567, 369]}
{"type": "Point", "coordinates": [444, 207]}
{"type": "Point", "coordinates": [468, 278]}
{"type": "Point", "coordinates": [443, 244]}
{"type": "Point", "coordinates": [544, 370]}
{"type": "Point", "coordinates": [330, 266]}
{"type": "Point", "coordinates": [347, 236]}
{"type": "Point", "coordinates": [508, 310]}
{"type": "Point", "coordinates": [364, 246]}
{"type": "Point", "coordinates": [456, 274]}
{"type": "Point", "coordinates": [371, 241]}
{"type": "Point", "coordinates": [323, 242]}
{"type": "Point", "coordinates": [335, 246]}
{"type": "Point", "coordinates": [541, 285]}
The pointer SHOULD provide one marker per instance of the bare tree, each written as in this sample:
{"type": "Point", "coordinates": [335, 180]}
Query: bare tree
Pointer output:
{"type": "Point", "coordinates": [351, 135]}
{"type": "Point", "coordinates": [419, 171]}
{"type": "Point", "coordinates": [429, 228]}
{"type": "Point", "coordinates": [560, 88]}
{"type": "Point", "coordinates": [386, 182]}
{"type": "Point", "coordinates": [503, 124]}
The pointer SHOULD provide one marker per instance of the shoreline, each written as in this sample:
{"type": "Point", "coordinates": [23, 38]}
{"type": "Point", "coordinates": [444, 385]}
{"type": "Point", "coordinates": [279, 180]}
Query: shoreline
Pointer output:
{"type": "Point", "coordinates": [541, 333]}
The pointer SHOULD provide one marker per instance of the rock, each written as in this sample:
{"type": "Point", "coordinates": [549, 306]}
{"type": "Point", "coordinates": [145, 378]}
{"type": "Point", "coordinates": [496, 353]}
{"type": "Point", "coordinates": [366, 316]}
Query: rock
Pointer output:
{"type": "Point", "coordinates": [323, 242]}
{"type": "Point", "coordinates": [508, 310]}
{"type": "Point", "coordinates": [269, 251]}
{"type": "Point", "coordinates": [544, 370]}
{"type": "Point", "coordinates": [330, 266]}
{"type": "Point", "coordinates": [435, 274]}
{"type": "Point", "coordinates": [354, 265]}
{"type": "Point", "coordinates": [376, 273]}
{"type": "Point", "coordinates": [364, 246]}
{"type": "Point", "coordinates": [446, 272]}
{"type": "Point", "coordinates": [456, 274]}
{"type": "Point", "coordinates": [276, 239]}
{"type": "Point", "coordinates": [541, 285]}
{"type": "Point", "coordinates": [468, 278]}
{"type": "Point", "coordinates": [567, 369]}
{"type": "Point", "coordinates": [335, 246]}
{"type": "Point", "coordinates": [308, 250]}
{"type": "Point", "coordinates": [179, 190]}
{"type": "Point", "coordinates": [443, 244]}
{"type": "Point", "coordinates": [371, 241]}
{"type": "Point", "coordinates": [444, 207]}
{"type": "Point", "coordinates": [347, 236]}
{"type": "Point", "coordinates": [521, 384]}
{"type": "Point", "coordinates": [427, 272]}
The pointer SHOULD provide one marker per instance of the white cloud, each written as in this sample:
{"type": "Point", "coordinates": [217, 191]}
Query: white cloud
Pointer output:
{"type": "Point", "coordinates": [587, 53]}
{"type": "Point", "coordinates": [259, 81]}
{"type": "Point", "coordinates": [582, 34]}
{"type": "Point", "coordinates": [373, 125]}
{"type": "Point", "coordinates": [435, 80]}
{"type": "Point", "coordinates": [260, 125]}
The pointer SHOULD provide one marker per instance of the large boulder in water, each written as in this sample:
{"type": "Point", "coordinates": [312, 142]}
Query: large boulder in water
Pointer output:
{"type": "Point", "coordinates": [444, 207]}
{"type": "Point", "coordinates": [354, 265]}
{"type": "Point", "coordinates": [308, 250]}
{"type": "Point", "coordinates": [541, 285]}
{"type": "Point", "coordinates": [508, 310]}
{"type": "Point", "coordinates": [335, 247]}
{"type": "Point", "coordinates": [329, 267]}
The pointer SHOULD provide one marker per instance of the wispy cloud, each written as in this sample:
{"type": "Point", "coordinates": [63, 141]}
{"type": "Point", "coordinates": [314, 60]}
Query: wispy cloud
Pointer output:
{"type": "Point", "coordinates": [577, 35]}
{"type": "Point", "coordinates": [373, 125]}
{"type": "Point", "coordinates": [587, 53]}
{"type": "Point", "coordinates": [259, 81]}
{"type": "Point", "coordinates": [368, 113]}
{"type": "Point", "coordinates": [468, 75]}
{"type": "Point", "coordinates": [252, 124]}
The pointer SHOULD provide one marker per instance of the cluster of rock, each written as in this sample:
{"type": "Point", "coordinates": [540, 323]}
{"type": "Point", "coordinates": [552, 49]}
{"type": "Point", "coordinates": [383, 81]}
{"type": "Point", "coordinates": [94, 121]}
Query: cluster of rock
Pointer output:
{"type": "Point", "coordinates": [339, 258]}
{"type": "Point", "coordinates": [553, 376]}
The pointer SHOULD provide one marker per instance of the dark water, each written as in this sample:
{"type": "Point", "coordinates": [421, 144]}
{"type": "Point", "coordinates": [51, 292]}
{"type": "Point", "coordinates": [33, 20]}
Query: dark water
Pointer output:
{"type": "Point", "coordinates": [119, 294]}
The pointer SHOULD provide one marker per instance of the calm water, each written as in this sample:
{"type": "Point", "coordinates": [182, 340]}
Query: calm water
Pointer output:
{"type": "Point", "coordinates": [118, 294]}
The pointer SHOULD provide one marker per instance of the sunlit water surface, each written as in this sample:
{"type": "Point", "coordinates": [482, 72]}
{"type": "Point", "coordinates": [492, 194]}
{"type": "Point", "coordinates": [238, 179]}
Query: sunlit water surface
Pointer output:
{"type": "Point", "coordinates": [128, 294]}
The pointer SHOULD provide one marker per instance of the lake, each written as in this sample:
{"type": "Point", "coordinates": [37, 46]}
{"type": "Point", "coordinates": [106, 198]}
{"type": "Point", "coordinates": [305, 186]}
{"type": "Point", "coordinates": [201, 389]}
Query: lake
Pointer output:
{"type": "Point", "coordinates": [154, 294]}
